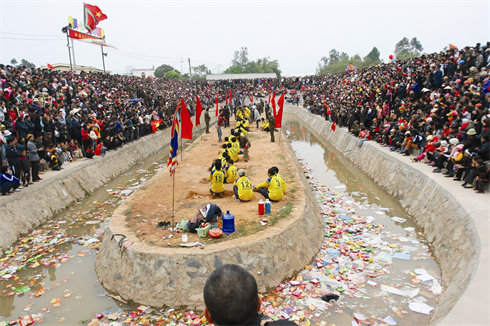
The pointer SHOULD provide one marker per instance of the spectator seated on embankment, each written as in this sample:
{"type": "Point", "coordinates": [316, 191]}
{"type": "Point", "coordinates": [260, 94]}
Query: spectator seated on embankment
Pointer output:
{"type": "Point", "coordinates": [403, 106]}
{"type": "Point", "coordinates": [443, 95]}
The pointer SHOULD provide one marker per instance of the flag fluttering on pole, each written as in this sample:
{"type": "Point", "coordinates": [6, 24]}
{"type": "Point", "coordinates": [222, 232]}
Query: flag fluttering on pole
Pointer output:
{"type": "Point", "coordinates": [231, 97]}
{"type": "Point", "coordinates": [92, 16]}
{"type": "Point", "coordinates": [328, 108]}
{"type": "Point", "coordinates": [333, 125]}
{"type": "Point", "coordinates": [274, 103]}
{"type": "Point", "coordinates": [155, 124]}
{"type": "Point", "coordinates": [226, 102]}
{"type": "Point", "coordinates": [185, 119]}
{"type": "Point", "coordinates": [280, 103]}
{"type": "Point", "coordinates": [174, 144]}
{"type": "Point", "coordinates": [50, 66]}
{"type": "Point", "coordinates": [198, 111]}
{"type": "Point", "coordinates": [217, 100]}
{"type": "Point", "coordinates": [269, 101]}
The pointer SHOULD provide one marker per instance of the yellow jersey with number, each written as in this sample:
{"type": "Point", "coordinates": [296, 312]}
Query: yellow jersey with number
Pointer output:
{"type": "Point", "coordinates": [284, 186]}
{"type": "Point", "coordinates": [231, 174]}
{"type": "Point", "coordinates": [274, 185]}
{"type": "Point", "coordinates": [217, 179]}
{"type": "Point", "coordinates": [244, 185]}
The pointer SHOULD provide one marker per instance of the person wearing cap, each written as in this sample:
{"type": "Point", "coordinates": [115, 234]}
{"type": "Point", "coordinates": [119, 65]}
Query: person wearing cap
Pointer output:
{"type": "Point", "coordinates": [454, 160]}
{"type": "Point", "coordinates": [471, 142]}
{"type": "Point", "coordinates": [243, 187]}
{"type": "Point", "coordinates": [446, 155]}
{"type": "Point", "coordinates": [231, 298]}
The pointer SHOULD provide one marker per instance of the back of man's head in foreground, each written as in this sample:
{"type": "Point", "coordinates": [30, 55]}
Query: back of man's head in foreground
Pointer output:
{"type": "Point", "coordinates": [231, 296]}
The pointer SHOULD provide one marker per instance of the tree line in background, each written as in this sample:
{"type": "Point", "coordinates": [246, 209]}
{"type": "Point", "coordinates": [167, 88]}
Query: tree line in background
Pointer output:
{"type": "Point", "coordinates": [240, 64]}
{"type": "Point", "coordinates": [23, 63]}
{"type": "Point", "coordinates": [338, 62]}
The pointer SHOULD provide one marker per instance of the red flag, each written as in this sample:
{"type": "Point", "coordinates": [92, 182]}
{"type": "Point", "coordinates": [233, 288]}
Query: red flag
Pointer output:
{"type": "Point", "coordinates": [280, 103]}
{"type": "Point", "coordinates": [226, 99]}
{"type": "Point", "coordinates": [217, 100]}
{"type": "Point", "coordinates": [269, 102]}
{"type": "Point", "coordinates": [328, 108]}
{"type": "Point", "coordinates": [50, 66]}
{"type": "Point", "coordinates": [333, 125]}
{"type": "Point", "coordinates": [186, 121]}
{"type": "Point", "coordinates": [92, 16]}
{"type": "Point", "coordinates": [198, 111]}
{"type": "Point", "coordinates": [251, 99]}
{"type": "Point", "coordinates": [231, 97]}
{"type": "Point", "coordinates": [155, 124]}
{"type": "Point", "coordinates": [274, 103]}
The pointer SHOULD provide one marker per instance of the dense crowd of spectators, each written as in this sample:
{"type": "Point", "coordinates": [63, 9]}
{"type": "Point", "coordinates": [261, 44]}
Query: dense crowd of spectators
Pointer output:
{"type": "Point", "coordinates": [434, 107]}
{"type": "Point", "coordinates": [49, 118]}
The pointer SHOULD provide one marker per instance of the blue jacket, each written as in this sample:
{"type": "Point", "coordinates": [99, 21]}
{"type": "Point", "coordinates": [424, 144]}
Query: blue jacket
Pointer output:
{"type": "Point", "coordinates": [4, 178]}
{"type": "Point", "coordinates": [438, 77]}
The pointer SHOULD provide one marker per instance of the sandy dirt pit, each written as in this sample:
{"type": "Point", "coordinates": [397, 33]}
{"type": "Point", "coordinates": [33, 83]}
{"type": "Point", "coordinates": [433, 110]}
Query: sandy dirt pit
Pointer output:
{"type": "Point", "coordinates": [153, 202]}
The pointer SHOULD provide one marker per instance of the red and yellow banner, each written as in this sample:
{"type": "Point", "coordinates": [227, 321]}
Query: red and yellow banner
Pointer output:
{"type": "Point", "coordinates": [80, 36]}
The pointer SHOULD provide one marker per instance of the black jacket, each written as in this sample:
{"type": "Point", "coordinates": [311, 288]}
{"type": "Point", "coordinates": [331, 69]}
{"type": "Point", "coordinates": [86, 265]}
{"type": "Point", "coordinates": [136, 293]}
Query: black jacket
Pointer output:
{"type": "Point", "coordinates": [13, 155]}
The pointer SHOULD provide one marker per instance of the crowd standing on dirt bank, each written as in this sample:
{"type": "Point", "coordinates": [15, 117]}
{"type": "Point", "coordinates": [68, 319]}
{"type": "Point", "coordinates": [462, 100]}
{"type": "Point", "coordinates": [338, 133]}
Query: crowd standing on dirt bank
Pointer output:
{"type": "Point", "coordinates": [425, 107]}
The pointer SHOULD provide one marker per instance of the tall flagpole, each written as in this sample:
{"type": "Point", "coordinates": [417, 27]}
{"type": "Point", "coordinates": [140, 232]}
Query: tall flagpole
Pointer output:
{"type": "Point", "coordinates": [74, 62]}
{"type": "Point", "coordinates": [173, 202]}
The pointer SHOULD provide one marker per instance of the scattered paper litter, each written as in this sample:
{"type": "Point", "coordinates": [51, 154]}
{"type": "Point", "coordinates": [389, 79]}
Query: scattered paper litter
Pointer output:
{"type": "Point", "coordinates": [393, 290]}
{"type": "Point", "coordinates": [420, 307]}
{"type": "Point", "coordinates": [390, 321]}
{"type": "Point", "coordinates": [399, 219]}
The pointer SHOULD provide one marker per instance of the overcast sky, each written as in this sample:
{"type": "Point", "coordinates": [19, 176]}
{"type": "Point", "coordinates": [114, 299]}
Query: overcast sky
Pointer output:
{"type": "Point", "coordinates": [296, 33]}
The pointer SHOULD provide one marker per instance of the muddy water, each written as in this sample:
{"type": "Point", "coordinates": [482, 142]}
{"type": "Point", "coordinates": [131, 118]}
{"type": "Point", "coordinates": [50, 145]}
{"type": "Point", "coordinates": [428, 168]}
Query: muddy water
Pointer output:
{"type": "Point", "coordinates": [327, 168]}
{"type": "Point", "coordinates": [64, 287]}
{"type": "Point", "coordinates": [74, 282]}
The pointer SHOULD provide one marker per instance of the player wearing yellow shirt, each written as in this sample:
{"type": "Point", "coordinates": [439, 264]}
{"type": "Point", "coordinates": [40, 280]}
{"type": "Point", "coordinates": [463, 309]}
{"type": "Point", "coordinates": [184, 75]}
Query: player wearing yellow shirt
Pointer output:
{"type": "Point", "coordinates": [284, 186]}
{"type": "Point", "coordinates": [271, 188]}
{"type": "Point", "coordinates": [233, 152]}
{"type": "Point", "coordinates": [231, 172]}
{"type": "Point", "coordinates": [243, 187]}
{"type": "Point", "coordinates": [247, 112]}
{"type": "Point", "coordinates": [217, 178]}
{"type": "Point", "coordinates": [234, 143]}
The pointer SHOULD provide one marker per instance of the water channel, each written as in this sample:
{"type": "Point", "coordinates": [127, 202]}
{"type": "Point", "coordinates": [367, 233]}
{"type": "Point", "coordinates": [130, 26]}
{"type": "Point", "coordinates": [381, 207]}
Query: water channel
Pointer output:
{"type": "Point", "coordinates": [50, 273]}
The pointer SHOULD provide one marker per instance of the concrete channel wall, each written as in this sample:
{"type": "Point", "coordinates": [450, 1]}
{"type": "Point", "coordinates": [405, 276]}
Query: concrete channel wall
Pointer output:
{"type": "Point", "coordinates": [173, 277]}
{"type": "Point", "coordinates": [455, 221]}
{"type": "Point", "coordinates": [23, 212]}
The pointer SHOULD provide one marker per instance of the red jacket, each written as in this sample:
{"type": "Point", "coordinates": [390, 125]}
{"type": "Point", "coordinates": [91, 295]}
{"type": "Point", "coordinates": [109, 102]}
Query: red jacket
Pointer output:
{"type": "Point", "coordinates": [98, 149]}
{"type": "Point", "coordinates": [85, 134]}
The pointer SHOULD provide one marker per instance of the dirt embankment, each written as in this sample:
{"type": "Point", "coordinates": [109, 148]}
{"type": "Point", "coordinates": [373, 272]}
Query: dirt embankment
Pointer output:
{"type": "Point", "coordinates": [153, 203]}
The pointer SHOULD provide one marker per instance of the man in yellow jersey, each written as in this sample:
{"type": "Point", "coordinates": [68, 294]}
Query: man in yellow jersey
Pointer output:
{"type": "Point", "coordinates": [271, 188]}
{"type": "Point", "coordinates": [233, 152]}
{"type": "Point", "coordinates": [243, 187]}
{"type": "Point", "coordinates": [284, 186]}
{"type": "Point", "coordinates": [231, 172]}
{"type": "Point", "coordinates": [217, 178]}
